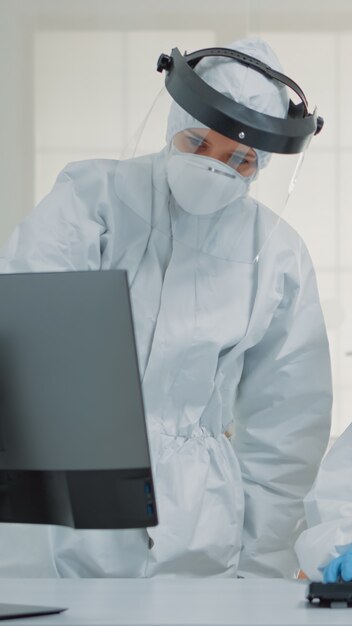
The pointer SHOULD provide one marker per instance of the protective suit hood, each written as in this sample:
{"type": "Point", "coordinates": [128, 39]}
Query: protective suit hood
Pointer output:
{"type": "Point", "coordinates": [240, 83]}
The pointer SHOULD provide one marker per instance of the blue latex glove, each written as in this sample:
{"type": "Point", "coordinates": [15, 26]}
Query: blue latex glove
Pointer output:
{"type": "Point", "coordinates": [339, 568]}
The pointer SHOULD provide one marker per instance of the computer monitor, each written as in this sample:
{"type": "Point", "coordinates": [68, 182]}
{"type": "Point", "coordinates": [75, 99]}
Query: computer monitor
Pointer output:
{"type": "Point", "coordinates": [73, 440]}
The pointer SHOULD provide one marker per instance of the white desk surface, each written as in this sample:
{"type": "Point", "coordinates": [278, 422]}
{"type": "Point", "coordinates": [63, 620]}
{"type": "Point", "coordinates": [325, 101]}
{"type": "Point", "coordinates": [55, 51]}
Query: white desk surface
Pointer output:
{"type": "Point", "coordinates": [170, 602]}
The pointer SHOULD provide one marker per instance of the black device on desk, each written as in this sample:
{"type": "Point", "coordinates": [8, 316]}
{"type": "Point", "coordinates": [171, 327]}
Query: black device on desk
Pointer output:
{"type": "Point", "coordinates": [330, 594]}
{"type": "Point", "coordinates": [13, 611]}
{"type": "Point", "coordinates": [73, 440]}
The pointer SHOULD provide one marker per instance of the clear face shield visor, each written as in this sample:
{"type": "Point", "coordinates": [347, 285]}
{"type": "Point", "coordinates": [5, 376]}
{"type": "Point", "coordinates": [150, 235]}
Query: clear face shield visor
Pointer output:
{"type": "Point", "coordinates": [202, 177]}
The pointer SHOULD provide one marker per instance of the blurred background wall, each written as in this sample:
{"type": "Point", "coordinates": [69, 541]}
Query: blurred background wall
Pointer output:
{"type": "Point", "coordinates": [77, 77]}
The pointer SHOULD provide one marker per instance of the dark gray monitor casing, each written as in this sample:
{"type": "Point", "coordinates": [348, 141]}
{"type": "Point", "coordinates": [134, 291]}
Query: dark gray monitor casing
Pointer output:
{"type": "Point", "coordinates": [73, 440]}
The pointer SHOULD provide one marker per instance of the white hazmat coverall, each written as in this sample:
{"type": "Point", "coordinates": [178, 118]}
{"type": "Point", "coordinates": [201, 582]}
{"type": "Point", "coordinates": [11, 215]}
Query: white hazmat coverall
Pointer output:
{"type": "Point", "coordinates": [220, 340]}
{"type": "Point", "coordinates": [328, 509]}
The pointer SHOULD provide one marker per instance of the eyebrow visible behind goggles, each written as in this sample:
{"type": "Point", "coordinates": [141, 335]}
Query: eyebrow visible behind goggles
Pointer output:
{"type": "Point", "coordinates": [248, 154]}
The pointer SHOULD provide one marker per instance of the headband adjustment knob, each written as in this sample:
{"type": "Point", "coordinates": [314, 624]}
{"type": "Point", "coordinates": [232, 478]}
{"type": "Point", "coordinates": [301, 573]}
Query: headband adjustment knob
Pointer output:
{"type": "Point", "coordinates": [164, 63]}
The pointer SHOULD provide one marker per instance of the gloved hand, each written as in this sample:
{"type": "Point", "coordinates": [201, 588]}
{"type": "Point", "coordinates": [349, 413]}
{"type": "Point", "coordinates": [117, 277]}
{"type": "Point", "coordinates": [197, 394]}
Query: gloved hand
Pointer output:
{"type": "Point", "coordinates": [339, 568]}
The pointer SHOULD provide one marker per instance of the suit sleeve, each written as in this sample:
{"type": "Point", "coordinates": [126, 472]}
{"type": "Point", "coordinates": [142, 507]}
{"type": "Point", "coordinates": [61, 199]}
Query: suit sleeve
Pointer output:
{"type": "Point", "coordinates": [65, 230]}
{"type": "Point", "coordinates": [282, 423]}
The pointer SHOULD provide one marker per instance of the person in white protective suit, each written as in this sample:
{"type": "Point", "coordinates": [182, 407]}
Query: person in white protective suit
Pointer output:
{"type": "Point", "coordinates": [325, 548]}
{"type": "Point", "coordinates": [229, 330]}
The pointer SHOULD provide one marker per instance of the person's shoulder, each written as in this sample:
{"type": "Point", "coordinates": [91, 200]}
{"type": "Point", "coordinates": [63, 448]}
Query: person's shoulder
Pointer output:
{"type": "Point", "coordinates": [88, 170]}
{"type": "Point", "coordinates": [105, 171]}
{"type": "Point", "coordinates": [275, 227]}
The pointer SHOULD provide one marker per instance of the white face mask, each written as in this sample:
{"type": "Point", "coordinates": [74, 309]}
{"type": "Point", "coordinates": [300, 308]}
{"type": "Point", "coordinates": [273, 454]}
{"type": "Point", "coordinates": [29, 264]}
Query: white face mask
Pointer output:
{"type": "Point", "coordinates": [202, 185]}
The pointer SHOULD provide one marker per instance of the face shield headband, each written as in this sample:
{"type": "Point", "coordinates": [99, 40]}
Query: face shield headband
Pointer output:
{"type": "Point", "coordinates": [290, 135]}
